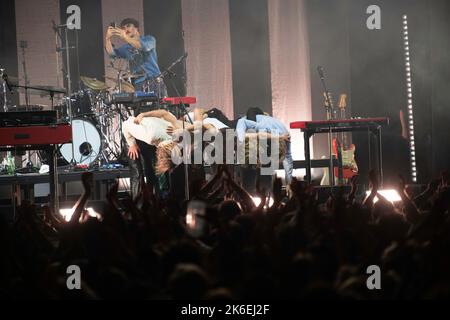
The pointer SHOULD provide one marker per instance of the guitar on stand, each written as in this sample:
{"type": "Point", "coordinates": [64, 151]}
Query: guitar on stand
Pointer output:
{"type": "Point", "coordinates": [342, 150]}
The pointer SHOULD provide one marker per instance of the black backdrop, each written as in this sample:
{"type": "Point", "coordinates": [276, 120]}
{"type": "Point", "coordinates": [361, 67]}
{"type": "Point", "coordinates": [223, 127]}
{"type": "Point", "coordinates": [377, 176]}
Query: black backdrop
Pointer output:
{"type": "Point", "coordinates": [369, 65]}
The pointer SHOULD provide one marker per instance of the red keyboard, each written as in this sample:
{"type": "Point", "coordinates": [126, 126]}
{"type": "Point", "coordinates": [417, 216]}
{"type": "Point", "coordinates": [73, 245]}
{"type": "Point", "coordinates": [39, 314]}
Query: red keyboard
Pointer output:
{"type": "Point", "coordinates": [344, 123]}
{"type": "Point", "coordinates": [35, 135]}
{"type": "Point", "coordinates": [179, 100]}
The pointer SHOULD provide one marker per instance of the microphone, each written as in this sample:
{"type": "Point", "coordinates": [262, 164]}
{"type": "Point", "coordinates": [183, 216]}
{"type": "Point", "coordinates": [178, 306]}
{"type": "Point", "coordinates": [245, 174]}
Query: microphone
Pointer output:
{"type": "Point", "coordinates": [54, 26]}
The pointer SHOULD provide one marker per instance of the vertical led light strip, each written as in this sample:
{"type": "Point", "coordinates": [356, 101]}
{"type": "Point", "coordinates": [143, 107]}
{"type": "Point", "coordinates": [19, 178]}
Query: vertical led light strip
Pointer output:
{"type": "Point", "coordinates": [412, 146]}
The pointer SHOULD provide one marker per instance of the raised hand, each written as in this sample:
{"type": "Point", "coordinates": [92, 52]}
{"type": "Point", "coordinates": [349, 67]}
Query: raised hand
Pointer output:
{"type": "Point", "coordinates": [109, 33]}
{"type": "Point", "coordinates": [88, 182]}
{"type": "Point", "coordinates": [277, 192]}
{"type": "Point", "coordinates": [373, 181]}
{"type": "Point", "coordinates": [353, 181]}
{"type": "Point", "coordinates": [118, 32]}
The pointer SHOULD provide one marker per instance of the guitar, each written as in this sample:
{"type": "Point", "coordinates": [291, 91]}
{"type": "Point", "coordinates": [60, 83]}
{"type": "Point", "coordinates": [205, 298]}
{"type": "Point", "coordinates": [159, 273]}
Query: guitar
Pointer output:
{"type": "Point", "coordinates": [342, 149]}
{"type": "Point", "coordinates": [344, 152]}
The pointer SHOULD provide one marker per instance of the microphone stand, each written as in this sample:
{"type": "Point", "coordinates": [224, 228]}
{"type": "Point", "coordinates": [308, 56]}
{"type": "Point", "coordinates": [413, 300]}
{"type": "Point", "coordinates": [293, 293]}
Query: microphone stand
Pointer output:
{"type": "Point", "coordinates": [329, 112]}
{"type": "Point", "coordinates": [168, 73]}
{"type": "Point", "coordinates": [23, 45]}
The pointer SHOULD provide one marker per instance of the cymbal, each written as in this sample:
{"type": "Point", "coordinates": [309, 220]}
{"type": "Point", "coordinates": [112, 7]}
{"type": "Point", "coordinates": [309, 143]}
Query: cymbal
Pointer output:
{"type": "Point", "coordinates": [126, 86]}
{"type": "Point", "coordinates": [93, 83]}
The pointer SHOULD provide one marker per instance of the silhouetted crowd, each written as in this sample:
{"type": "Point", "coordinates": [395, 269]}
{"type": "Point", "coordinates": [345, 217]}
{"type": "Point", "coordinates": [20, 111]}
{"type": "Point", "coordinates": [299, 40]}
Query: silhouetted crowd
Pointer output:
{"type": "Point", "coordinates": [229, 248]}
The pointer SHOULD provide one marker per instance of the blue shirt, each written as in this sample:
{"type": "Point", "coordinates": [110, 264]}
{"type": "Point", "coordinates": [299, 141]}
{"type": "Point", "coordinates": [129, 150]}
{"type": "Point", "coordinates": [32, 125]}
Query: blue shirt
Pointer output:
{"type": "Point", "coordinates": [144, 60]}
{"type": "Point", "coordinates": [262, 123]}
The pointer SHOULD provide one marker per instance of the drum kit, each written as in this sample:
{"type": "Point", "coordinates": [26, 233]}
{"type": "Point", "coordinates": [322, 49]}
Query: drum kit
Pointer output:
{"type": "Point", "coordinates": [96, 123]}
{"type": "Point", "coordinates": [96, 120]}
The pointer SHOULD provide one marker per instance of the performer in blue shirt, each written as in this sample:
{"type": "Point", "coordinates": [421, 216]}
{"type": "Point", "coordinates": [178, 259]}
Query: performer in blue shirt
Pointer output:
{"type": "Point", "coordinates": [140, 52]}
{"type": "Point", "coordinates": [256, 120]}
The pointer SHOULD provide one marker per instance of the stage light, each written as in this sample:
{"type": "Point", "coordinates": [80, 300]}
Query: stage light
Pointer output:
{"type": "Point", "coordinates": [68, 212]}
{"type": "Point", "coordinates": [390, 194]}
{"type": "Point", "coordinates": [412, 152]}
{"type": "Point", "coordinates": [257, 201]}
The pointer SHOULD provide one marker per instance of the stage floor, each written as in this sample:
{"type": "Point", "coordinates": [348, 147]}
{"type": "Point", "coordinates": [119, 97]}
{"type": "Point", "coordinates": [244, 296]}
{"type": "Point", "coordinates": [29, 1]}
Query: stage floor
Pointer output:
{"type": "Point", "coordinates": [36, 185]}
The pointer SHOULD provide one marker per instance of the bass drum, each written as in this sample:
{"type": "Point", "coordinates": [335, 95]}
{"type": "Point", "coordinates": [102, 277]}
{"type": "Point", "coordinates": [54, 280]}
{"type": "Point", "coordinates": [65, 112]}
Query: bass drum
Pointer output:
{"type": "Point", "coordinates": [87, 143]}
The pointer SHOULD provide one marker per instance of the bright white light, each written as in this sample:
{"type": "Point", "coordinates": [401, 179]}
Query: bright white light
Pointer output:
{"type": "Point", "coordinates": [407, 49]}
{"type": "Point", "coordinates": [406, 38]}
{"type": "Point", "coordinates": [405, 17]}
{"type": "Point", "coordinates": [257, 201]}
{"type": "Point", "coordinates": [68, 212]}
{"type": "Point", "coordinates": [390, 194]}
{"type": "Point", "coordinates": [190, 220]}
{"type": "Point", "coordinates": [407, 64]}
{"type": "Point", "coordinates": [409, 95]}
